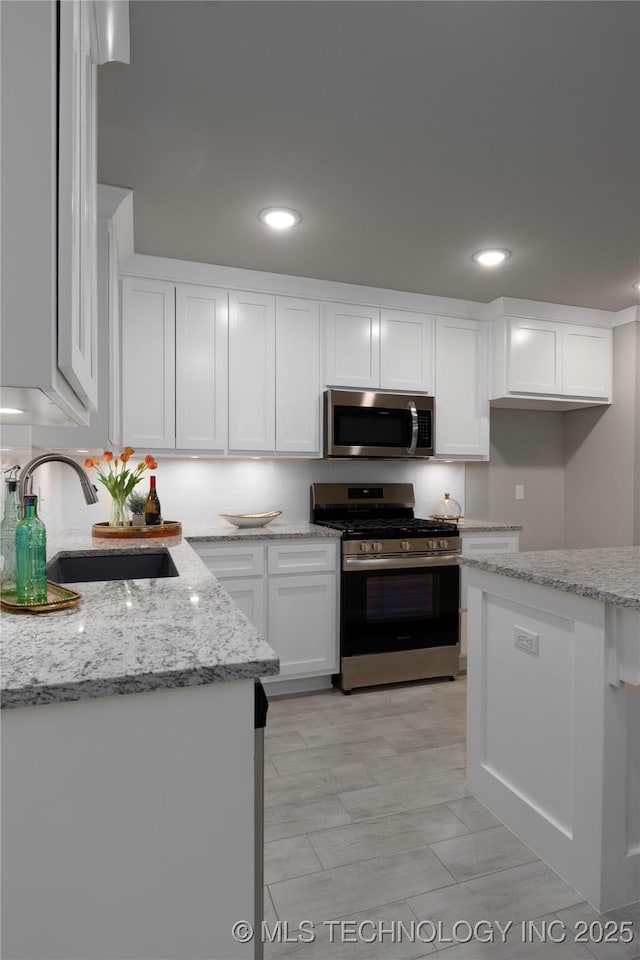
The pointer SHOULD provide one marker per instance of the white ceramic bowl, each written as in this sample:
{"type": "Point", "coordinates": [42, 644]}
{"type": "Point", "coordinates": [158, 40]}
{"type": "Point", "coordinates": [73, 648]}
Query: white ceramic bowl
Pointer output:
{"type": "Point", "coordinates": [251, 519]}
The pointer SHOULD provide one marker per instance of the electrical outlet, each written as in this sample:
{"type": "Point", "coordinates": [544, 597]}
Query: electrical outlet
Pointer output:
{"type": "Point", "coordinates": [519, 491]}
{"type": "Point", "coordinates": [527, 640]}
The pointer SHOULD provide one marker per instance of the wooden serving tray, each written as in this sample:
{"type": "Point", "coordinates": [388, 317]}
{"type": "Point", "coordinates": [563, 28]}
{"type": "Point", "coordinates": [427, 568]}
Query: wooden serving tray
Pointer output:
{"type": "Point", "coordinates": [58, 598]}
{"type": "Point", "coordinates": [170, 528]}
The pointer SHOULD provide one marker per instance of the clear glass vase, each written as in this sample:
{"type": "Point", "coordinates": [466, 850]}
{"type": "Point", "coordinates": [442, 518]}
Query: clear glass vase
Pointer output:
{"type": "Point", "coordinates": [119, 516]}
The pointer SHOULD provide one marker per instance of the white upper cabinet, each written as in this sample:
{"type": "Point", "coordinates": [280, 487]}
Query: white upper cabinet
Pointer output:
{"type": "Point", "coordinates": [202, 320]}
{"type": "Point", "coordinates": [77, 272]}
{"type": "Point", "coordinates": [586, 362]}
{"type": "Point", "coordinates": [406, 351]}
{"type": "Point", "coordinates": [374, 349]}
{"type": "Point", "coordinates": [297, 377]}
{"type": "Point", "coordinates": [535, 357]}
{"type": "Point", "coordinates": [251, 372]}
{"type": "Point", "coordinates": [48, 61]}
{"type": "Point", "coordinates": [461, 401]}
{"type": "Point", "coordinates": [148, 364]}
{"type": "Point", "coordinates": [548, 364]}
{"type": "Point", "coordinates": [352, 346]}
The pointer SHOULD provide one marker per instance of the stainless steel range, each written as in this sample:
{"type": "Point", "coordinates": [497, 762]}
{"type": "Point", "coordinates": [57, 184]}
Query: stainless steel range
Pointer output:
{"type": "Point", "coordinates": [400, 584]}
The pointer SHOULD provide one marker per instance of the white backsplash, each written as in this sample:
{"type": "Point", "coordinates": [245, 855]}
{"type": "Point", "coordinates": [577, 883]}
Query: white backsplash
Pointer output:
{"type": "Point", "coordinates": [197, 489]}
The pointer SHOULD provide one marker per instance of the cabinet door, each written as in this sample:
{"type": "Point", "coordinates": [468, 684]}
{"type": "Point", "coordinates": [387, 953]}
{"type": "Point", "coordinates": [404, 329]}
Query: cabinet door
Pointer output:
{"type": "Point", "coordinates": [77, 178]}
{"type": "Point", "coordinates": [248, 594]}
{"type": "Point", "coordinates": [406, 351]}
{"type": "Point", "coordinates": [535, 357]}
{"type": "Point", "coordinates": [148, 364]}
{"type": "Point", "coordinates": [586, 362]}
{"type": "Point", "coordinates": [251, 372]}
{"type": "Point", "coordinates": [201, 367]}
{"type": "Point", "coordinates": [462, 399]}
{"type": "Point", "coordinates": [303, 623]}
{"type": "Point", "coordinates": [352, 346]}
{"type": "Point", "coordinates": [297, 376]}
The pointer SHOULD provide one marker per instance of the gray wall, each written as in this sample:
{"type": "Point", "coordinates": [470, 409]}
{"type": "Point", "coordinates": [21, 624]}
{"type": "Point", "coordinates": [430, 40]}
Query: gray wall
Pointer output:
{"type": "Point", "coordinates": [527, 447]}
{"type": "Point", "coordinates": [602, 486]}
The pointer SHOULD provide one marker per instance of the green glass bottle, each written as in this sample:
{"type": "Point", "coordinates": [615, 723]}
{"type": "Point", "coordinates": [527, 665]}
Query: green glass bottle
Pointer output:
{"type": "Point", "coordinates": [10, 521]}
{"type": "Point", "coordinates": [31, 555]}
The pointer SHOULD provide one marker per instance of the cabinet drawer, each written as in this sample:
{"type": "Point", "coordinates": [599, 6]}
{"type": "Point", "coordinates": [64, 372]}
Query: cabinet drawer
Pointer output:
{"type": "Point", "coordinates": [301, 558]}
{"type": "Point", "coordinates": [475, 543]}
{"type": "Point", "coordinates": [236, 561]}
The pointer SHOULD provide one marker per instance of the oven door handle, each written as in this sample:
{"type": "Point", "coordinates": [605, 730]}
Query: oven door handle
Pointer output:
{"type": "Point", "coordinates": [399, 563]}
{"type": "Point", "coordinates": [411, 449]}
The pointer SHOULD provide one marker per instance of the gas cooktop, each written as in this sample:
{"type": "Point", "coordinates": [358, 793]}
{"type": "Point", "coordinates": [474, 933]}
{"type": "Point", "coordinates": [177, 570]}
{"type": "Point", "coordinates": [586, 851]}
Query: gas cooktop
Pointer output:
{"type": "Point", "coordinates": [390, 528]}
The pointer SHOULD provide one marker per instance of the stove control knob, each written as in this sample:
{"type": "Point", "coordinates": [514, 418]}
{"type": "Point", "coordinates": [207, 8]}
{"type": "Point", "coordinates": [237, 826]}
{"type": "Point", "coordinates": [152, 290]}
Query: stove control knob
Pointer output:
{"type": "Point", "coordinates": [432, 544]}
{"type": "Point", "coordinates": [406, 545]}
{"type": "Point", "coordinates": [443, 544]}
{"type": "Point", "coordinates": [377, 547]}
{"type": "Point", "coordinates": [364, 546]}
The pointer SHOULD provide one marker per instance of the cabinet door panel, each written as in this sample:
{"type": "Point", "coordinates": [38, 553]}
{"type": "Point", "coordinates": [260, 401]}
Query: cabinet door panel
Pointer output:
{"type": "Point", "coordinates": [301, 557]}
{"type": "Point", "coordinates": [234, 561]}
{"type": "Point", "coordinates": [535, 357]}
{"type": "Point", "coordinates": [406, 351]}
{"type": "Point", "coordinates": [586, 366]}
{"type": "Point", "coordinates": [462, 401]}
{"type": "Point", "coordinates": [248, 594]}
{"type": "Point", "coordinates": [473, 544]}
{"type": "Point", "coordinates": [297, 376]}
{"type": "Point", "coordinates": [251, 372]}
{"type": "Point", "coordinates": [77, 238]}
{"type": "Point", "coordinates": [352, 346]}
{"type": "Point", "coordinates": [201, 368]}
{"type": "Point", "coordinates": [302, 624]}
{"type": "Point", "coordinates": [148, 363]}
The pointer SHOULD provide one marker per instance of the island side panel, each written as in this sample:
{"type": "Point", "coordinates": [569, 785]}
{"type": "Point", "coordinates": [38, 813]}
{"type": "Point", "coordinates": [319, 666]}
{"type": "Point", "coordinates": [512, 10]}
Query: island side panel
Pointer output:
{"type": "Point", "coordinates": [539, 719]}
{"type": "Point", "coordinates": [127, 825]}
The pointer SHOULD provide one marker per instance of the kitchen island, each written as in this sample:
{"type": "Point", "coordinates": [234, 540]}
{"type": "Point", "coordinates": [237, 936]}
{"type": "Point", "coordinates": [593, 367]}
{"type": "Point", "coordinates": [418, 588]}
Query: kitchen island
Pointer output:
{"type": "Point", "coordinates": [128, 767]}
{"type": "Point", "coordinates": [554, 709]}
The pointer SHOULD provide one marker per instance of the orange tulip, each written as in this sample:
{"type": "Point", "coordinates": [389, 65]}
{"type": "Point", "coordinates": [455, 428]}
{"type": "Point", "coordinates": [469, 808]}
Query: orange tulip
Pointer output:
{"type": "Point", "coordinates": [107, 455]}
{"type": "Point", "coordinates": [88, 462]}
{"type": "Point", "coordinates": [153, 465]}
{"type": "Point", "coordinates": [124, 456]}
{"type": "Point", "coordinates": [149, 460]}
{"type": "Point", "coordinates": [96, 462]}
{"type": "Point", "coordinates": [129, 450]}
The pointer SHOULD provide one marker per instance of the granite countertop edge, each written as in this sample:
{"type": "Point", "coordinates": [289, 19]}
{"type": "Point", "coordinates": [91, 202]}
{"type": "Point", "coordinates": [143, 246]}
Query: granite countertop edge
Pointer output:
{"type": "Point", "coordinates": [607, 574]}
{"type": "Point", "coordinates": [487, 526]}
{"type": "Point", "coordinates": [132, 636]}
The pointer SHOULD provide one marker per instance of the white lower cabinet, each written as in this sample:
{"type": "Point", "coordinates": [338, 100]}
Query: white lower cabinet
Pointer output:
{"type": "Point", "coordinates": [472, 544]}
{"type": "Point", "coordinates": [289, 591]}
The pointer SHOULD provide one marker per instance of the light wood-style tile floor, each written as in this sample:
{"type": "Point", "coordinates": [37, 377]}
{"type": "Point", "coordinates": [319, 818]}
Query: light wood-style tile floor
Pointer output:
{"type": "Point", "coordinates": [368, 820]}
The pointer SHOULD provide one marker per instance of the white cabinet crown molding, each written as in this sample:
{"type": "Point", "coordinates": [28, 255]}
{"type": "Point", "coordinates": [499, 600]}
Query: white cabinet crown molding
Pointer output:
{"type": "Point", "coordinates": [539, 310]}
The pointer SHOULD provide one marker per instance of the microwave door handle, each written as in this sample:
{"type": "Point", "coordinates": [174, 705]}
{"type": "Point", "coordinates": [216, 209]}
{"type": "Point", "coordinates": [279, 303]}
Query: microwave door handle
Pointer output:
{"type": "Point", "coordinates": [411, 449]}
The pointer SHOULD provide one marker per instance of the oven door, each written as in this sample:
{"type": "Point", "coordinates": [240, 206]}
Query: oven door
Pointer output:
{"type": "Point", "coordinates": [399, 603]}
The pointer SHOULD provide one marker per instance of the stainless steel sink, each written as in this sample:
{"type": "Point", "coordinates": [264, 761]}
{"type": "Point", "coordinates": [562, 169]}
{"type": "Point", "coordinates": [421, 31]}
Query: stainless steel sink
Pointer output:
{"type": "Point", "coordinates": [111, 565]}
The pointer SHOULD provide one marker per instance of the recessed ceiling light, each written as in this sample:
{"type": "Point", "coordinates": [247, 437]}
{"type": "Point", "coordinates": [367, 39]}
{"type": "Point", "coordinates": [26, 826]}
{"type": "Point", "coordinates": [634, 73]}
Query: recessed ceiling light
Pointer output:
{"type": "Point", "coordinates": [280, 218]}
{"type": "Point", "coordinates": [10, 410]}
{"type": "Point", "coordinates": [636, 285]}
{"type": "Point", "coordinates": [491, 258]}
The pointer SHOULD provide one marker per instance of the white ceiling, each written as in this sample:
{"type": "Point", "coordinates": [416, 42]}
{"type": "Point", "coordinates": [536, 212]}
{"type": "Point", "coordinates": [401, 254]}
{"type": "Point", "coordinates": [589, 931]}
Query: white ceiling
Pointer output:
{"type": "Point", "coordinates": [408, 134]}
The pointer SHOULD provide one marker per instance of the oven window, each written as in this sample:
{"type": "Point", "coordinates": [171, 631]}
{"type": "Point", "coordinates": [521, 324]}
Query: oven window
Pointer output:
{"type": "Point", "coordinates": [399, 598]}
{"type": "Point", "coordinates": [371, 427]}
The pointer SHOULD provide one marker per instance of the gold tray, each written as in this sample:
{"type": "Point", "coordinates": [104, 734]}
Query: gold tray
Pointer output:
{"type": "Point", "coordinates": [169, 528]}
{"type": "Point", "coordinates": [438, 516]}
{"type": "Point", "coordinates": [58, 598]}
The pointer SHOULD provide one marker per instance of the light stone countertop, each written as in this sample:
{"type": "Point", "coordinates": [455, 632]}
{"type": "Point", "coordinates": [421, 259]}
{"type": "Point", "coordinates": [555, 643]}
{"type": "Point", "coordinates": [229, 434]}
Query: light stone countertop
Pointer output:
{"type": "Point", "coordinates": [487, 526]}
{"type": "Point", "coordinates": [609, 574]}
{"type": "Point", "coordinates": [130, 636]}
{"type": "Point", "coordinates": [221, 530]}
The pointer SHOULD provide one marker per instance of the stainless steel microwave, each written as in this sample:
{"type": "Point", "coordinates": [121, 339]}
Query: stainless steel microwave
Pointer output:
{"type": "Point", "coordinates": [376, 424]}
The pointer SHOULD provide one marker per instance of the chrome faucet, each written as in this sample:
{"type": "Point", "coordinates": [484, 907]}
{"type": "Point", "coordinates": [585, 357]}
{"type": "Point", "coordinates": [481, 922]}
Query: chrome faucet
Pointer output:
{"type": "Point", "coordinates": [25, 482]}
